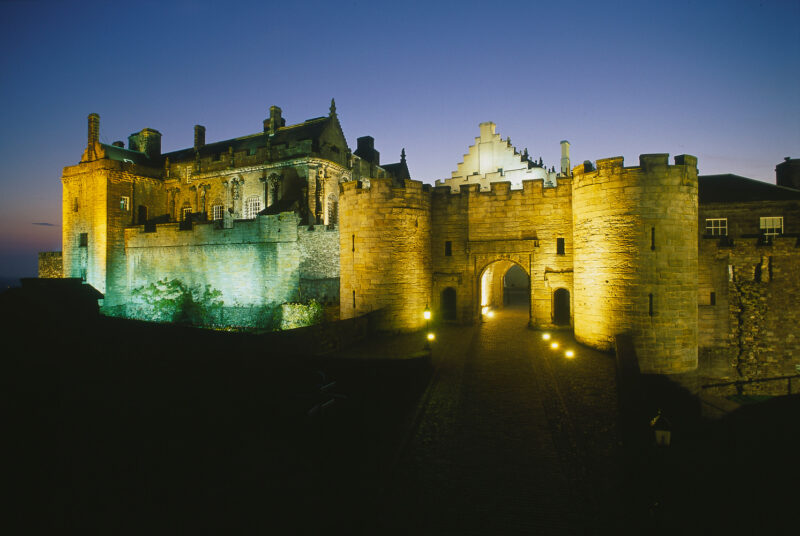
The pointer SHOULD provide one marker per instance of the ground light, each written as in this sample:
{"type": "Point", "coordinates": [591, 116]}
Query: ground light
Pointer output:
{"type": "Point", "coordinates": [484, 309]}
{"type": "Point", "coordinates": [431, 336]}
{"type": "Point", "coordinates": [546, 336]}
{"type": "Point", "coordinates": [490, 314]}
{"type": "Point", "coordinates": [569, 354]}
{"type": "Point", "coordinates": [426, 314]}
{"type": "Point", "coordinates": [553, 345]}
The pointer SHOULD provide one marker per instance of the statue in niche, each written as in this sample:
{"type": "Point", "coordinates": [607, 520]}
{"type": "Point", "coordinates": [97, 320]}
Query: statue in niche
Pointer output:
{"type": "Point", "coordinates": [318, 201]}
{"type": "Point", "coordinates": [235, 190]}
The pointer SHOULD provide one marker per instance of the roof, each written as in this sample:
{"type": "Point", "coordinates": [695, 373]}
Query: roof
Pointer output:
{"type": "Point", "coordinates": [398, 171]}
{"type": "Point", "coordinates": [127, 155]}
{"type": "Point", "coordinates": [730, 188]}
{"type": "Point", "coordinates": [310, 129]}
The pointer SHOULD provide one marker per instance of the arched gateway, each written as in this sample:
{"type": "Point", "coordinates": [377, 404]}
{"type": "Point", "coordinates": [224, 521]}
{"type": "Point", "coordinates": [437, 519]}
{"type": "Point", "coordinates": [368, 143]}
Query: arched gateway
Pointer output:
{"type": "Point", "coordinates": [502, 283]}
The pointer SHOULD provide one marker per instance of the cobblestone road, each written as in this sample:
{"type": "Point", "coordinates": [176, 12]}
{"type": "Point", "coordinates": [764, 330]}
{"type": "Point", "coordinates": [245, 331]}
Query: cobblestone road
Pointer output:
{"type": "Point", "coordinates": [511, 438]}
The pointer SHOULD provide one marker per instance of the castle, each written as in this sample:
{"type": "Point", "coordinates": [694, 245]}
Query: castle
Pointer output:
{"type": "Point", "coordinates": [700, 271]}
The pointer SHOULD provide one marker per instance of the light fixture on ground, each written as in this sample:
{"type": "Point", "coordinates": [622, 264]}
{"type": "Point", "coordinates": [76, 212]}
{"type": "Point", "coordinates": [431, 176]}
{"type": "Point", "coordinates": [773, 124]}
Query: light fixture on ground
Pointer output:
{"type": "Point", "coordinates": [426, 314]}
{"type": "Point", "coordinates": [569, 354]}
{"type": "Point", "coordinates": [546, 336]}
{"type": "Point", "coordinates": [554, 345]}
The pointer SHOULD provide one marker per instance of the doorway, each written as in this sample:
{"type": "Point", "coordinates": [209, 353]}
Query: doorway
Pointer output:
{"type": "Point", "coordinates": [561, 313]}
{"type": "Point", "coordinates": [448, 303]}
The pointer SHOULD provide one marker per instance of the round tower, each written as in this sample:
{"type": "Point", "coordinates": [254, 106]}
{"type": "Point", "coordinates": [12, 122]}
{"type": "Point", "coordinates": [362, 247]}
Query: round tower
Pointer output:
{"type": "Point", "coordinates": [635, 258]}
{"type": "Point", "coordinates": [385, 253]}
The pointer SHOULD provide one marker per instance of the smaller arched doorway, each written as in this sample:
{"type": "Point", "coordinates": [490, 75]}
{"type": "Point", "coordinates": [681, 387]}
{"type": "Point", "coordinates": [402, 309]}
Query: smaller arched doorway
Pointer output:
{"type": "Point", "coordinates": [561, 313]}
{"type": "Point", "coordinates": [448, 304]}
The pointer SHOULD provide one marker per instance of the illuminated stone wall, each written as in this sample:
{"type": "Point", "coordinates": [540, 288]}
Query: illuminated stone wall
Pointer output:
{"type": "Point", "coordinates": [750, 329]}
{"type": "Point", "coordinates": [254, 263]}
{"type": "Point", "coordinates": [92, 206]}
{"type": "Point", "coordinates": [385, 252]}
{"type": "Point", "coordinates": [635, 233]}
{"type": "Point", "coordinates": [511, 226]}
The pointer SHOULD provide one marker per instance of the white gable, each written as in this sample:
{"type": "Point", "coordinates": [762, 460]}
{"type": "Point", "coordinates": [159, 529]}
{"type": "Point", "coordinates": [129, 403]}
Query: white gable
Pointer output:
{"type": "Point", "coordinates": [493, 159]}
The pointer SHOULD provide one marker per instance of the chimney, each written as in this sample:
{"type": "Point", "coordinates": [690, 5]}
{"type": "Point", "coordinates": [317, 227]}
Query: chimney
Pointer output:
{"type": "Point", "coordinates": [565, 169]}
{"type": "Point", "coordinates": [148, 141]}
{"type": "Point", "coordinates": [275, 120]}
{"type": "Point", "coordinates": [94, 129]}
{"type": "Point", "coordinates": [366, 150]}
{"type": "Point", "coordinates": [199, 136]}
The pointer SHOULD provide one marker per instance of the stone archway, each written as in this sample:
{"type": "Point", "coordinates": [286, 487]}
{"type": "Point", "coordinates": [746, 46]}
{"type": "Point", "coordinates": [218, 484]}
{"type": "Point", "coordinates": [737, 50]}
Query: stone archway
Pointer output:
{"type": "Point", "coordinates": [492, 284]}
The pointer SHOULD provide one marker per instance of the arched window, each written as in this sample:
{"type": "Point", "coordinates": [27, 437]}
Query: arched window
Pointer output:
{"type": "Point", "coordinates": [252, 207]}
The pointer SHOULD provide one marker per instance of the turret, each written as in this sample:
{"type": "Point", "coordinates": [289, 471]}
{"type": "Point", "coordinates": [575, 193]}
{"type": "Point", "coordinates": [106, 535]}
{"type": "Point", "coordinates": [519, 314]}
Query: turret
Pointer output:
{"type": "Point", "coordinates": [635, 258]}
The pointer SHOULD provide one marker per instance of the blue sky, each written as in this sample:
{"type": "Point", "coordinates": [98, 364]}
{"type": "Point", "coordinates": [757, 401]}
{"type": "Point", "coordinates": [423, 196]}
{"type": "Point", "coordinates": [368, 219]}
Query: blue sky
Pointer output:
{"type": "Point", "coordinates": [714, 79]}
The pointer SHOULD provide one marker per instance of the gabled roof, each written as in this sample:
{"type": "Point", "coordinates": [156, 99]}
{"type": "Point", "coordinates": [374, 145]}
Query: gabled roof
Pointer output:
{"type": "Point", "coordinates": [728, 188]}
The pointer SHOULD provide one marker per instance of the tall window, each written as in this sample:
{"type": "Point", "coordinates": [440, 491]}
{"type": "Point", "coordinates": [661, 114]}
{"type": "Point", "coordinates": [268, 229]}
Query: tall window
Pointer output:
{"type": "Point", "coordinates": [772, 226]}
{"type": "Point", "coordinates": [717, 226]}
{"type": "Point", "coordinates": [252, 207]}
{"type": "Point", "coordinates": [83, 240]}
{"type": "Point", "coordinates": [217, 211]}
{"type": "Point", "coordinates": [448, 248]}
{"type": "Point", "coordinates": [125, 203]}
{"type": "Point", "coordinates": [560, 246]}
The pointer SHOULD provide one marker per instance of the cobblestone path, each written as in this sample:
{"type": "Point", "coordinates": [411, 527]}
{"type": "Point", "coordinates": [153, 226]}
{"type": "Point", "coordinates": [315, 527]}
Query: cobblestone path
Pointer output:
{"type": "Point", "coordinates": [512, 438]}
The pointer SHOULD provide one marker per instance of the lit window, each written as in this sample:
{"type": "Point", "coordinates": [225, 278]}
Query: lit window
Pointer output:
{"type": "Point", "coordinates": [125, 203]}
{"type": "Point", "coordinates": [217, 211]}
{"type": "Point", "coordinates": [252, 207]}
{"type": "Point", "coordinates": [717, 226]}
{"type": "Point", "coordinates": [772, 226]}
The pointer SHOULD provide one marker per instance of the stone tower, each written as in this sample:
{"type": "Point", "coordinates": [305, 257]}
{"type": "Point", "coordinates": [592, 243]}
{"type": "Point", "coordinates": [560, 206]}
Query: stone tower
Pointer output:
{"type": "Point", "coordinates": [385, 252]}
{"type": "Point", "coordinates": [635, 258]}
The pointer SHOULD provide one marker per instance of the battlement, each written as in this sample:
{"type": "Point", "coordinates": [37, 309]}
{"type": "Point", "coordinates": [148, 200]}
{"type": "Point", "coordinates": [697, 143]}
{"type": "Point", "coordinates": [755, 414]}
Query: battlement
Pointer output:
{"type": "Point", "coordinates": [264, 228]}
{"type": "Point", "coordinates": [650, 165]}
{"type": "Point", "coordinates": [533, 190]}
{"type": "Point", "coordinates": [385, 190]}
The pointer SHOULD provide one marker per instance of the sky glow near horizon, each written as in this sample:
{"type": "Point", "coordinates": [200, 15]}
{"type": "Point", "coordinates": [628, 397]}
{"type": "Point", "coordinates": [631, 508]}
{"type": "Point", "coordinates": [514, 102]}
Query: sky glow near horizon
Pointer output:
{"type": "Point", "coordinates": [717, 80]}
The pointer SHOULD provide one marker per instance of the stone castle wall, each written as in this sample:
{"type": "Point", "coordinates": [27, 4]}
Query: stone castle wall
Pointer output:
{"type": "Point", "coordinates": [384, 250]}
{"type": "Point", "coordinates": [502, 226]}
{"type": "Point", "coordinates": [635, 232]}
{"type": "Point", "coordinates": [253, 263]}
{"type": "Point", "coordinates": [749, 329]}
{"type": "Point", "coordinates": [91, 206]}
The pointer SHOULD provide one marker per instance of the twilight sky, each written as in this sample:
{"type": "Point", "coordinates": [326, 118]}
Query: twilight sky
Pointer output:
{"type": "Point", "coordinates": [718, 80]}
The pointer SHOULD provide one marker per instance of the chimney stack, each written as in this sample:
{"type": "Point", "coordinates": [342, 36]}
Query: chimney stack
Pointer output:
{"type": "Point", "coordinates": [199, 136]}
{"type": "Point", "coordinates": [275, 120]}
{"type": "Point", "coordinates": [94, 128]}
{"type": "Point", "coordinates": [565, 169]}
